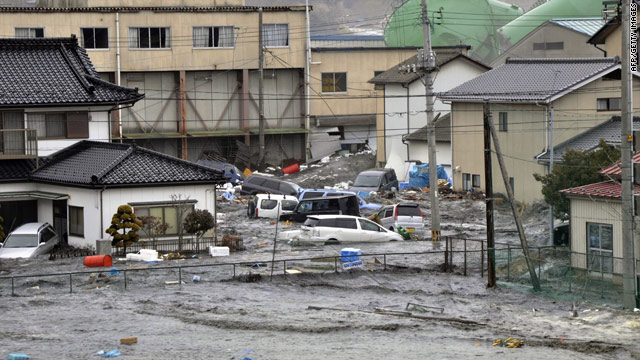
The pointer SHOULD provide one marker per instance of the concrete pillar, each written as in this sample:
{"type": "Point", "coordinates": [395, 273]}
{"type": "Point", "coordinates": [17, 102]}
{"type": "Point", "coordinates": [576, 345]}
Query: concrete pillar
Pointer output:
{"type": "Point", "coordinates": [103, 247]}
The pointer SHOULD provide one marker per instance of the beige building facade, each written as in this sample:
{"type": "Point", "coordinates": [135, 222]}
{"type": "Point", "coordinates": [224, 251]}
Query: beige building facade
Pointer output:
{"type": "Point", "coordinates": [196, 61]}
{"type": "Point", "coordinates": [340, 93]}
{"type": "Point", "coordinates": [527, 133]}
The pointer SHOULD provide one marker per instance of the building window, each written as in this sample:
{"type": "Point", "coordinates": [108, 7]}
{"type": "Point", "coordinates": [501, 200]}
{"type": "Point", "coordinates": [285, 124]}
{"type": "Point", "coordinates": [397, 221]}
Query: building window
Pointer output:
{"type": "Point", "coordinates": [475, 181]}
{"type": "Point", "coordinates": [334, 82]}
{"type": "Point", "coordinates": [275, 35]}
{"type": "Point", "coordinates": [23, 33]}
{"type": "Point", "coordinates": [12, 142]}
{"type": "Point", "coordinates": [76, 221]}
{"type": "Point", "coordinates": [95, 38]}
{"type": "Point", "coordinates": [62, 125]}
{"type": "Point", "coordinates": [213, 37]}
{"type": "Point", "coordinates": [549, 46]}
{"type": "Point", "coordinates": [608, 104]}
{"type": "Point", "coordinates": [512, 184]}
{"type": "Point", "coordinates": [503, 121]}
{"type": "Point", "coordinates": [149, 37]}
{"type": "Point", "coordinates": [466, 182]}
{"type": "Point", "coordinates": [600, 244]}
{"type": "Point", "coordinates": [165, 213]}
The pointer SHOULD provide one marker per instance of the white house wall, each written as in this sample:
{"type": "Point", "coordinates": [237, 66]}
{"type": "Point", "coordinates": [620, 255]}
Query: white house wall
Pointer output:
{"type": "Point", "coordinates": [418, 150]}
{"type": "Point", "coordinates": [449, 76]}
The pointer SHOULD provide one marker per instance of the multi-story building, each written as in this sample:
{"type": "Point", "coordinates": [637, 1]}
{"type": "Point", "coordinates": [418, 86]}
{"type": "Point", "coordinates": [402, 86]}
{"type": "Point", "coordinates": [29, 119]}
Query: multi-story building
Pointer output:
{"type": "Point", "coordinates": [196, 61]}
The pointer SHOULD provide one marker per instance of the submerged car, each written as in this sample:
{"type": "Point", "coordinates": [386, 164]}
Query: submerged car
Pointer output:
{"type": "Point", "coordinates": [271, 206]}
{"type": "Point", "coordinates": [231, 172]}
{"type": "Point", "coordinates": [334, 205]}
{"type": "Point", "coordinates": [28, 241]}
{"type": "Point", "coordinates": [407, 215]}
{"type": "Point", "coordinates": [330, 229]}
{"type": "Point", "coordinates": [375, 180]}
{"type": "Point", "coordinates": [315, 193]}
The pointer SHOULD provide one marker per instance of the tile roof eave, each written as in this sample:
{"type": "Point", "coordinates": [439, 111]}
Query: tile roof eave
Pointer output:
{"type": "Point", "coordinates": [68, 104]}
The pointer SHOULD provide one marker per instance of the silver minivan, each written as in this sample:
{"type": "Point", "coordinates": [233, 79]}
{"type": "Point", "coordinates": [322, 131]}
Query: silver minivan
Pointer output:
{"type": "Point", "coordinates": [407, 215]}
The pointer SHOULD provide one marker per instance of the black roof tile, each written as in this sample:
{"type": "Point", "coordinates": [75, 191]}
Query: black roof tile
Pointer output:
{"type": "Point", "coordinates": [92, 163]}
{"type": "Point", "coordinates": [54, 71]}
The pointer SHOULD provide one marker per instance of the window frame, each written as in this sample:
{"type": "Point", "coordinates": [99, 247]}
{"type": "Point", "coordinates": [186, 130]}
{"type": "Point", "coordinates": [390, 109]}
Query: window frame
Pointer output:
{"type": "Point", "coordinates": [108, 48]}
{"type": "Point", "coordinates": [137, 208]}
{"type": "Point", "coordinates": [67, 120]}
{"type": "Point", "coordinates": [608, 100]}
{"type": "Point", "coordinates": [503, 121]}
{"type": "Point", "coordinates": [170, 38]}
{"type": "Point", "coordinates": [599, 259]}
{"type": "Point", "coordinates": [475, 184]}
{"type": "Point", "coordinates": [264, 40]}
{"type": "Point", "coordinates": [73, 208]}
{"type": "Point", "coordinates": [233, 37]}
{"type": "Point", "coordinates": [333, 73]}
{"type": "Point", "coordinates": [44, 33]}
{"type": "Point", "coordinates": [466, 181]}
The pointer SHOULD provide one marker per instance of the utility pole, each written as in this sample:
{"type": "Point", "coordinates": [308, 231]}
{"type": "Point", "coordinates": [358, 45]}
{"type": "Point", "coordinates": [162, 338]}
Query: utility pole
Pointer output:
{"type": "Point", "coordinates": [261, 90]}
{"type": "Point", "coordinates": [427, 63]}
{"type": "Point", "coordinates": [307, 120]}
{"type": "Point", "coordinates": [516, 216]}
{"type": "Point", "coordinates": [551, 160]}
{"type": "Point", "coordinates": [488, 176]}
{"type": "Point", "coordinates": [628, 281]}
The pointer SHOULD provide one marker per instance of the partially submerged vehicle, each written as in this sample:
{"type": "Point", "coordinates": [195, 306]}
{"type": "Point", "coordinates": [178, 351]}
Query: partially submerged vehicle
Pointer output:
{"type": "Point", "coordinates": [29, 240]}
{"type": "Point", "coordinates": [271, 206]}
{"type": "Point", "coordinates": [333, 205]}
{"type": "Point", "coordinates": [407, 215]}
{"type": "Point", "coordinates": [335, 229]}
{"type": "Point", "coordinates": [256, 184]}
{"type": "Point", "coordinates": [316, 193]}
{"type": "Point", "coordinates": [375, 180]}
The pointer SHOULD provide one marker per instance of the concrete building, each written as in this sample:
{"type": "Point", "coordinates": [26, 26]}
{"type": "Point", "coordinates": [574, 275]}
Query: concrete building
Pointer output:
{"type": "Point", "coordinates": [196, 62]}
{"type": "Point", "coordinates": [521, 93]}
{"type": "Point", "coordinates": [342, 99]}
{"type": "Point", "coordinates": [403, 106]}
{"type": "Point", "coordinates": [557, 38]}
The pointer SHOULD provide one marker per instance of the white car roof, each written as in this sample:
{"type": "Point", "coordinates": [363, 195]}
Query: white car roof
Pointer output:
{"type": "Point", "coordinates": [276, 197]}
{"type": "Point", "coordinates": [335, 217]}
{"type": "Point", "coordinates": [28, 228]}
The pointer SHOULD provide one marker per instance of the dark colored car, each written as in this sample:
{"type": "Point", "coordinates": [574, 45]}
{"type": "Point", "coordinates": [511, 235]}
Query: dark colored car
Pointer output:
{"type": "Point", "coordinates": [256, 184]}
{"type": "Point", "coordinates": [334, 205]}
{"type": "Point", "coordinates": [232, 173]}
{"type": "Point", "coordinates": [375, 180]}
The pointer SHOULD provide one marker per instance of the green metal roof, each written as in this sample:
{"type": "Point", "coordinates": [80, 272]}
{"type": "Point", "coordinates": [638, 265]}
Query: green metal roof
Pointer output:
{"type": "Point", "coordinates": [512, 32]}
{"type": "Point", "coordinates": [460, 22]}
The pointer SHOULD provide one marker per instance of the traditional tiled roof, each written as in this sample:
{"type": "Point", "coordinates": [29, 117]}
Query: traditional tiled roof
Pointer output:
{"type": "Point", "coordinates": [609, 131]}
{"type": "Point", "coordinates": [54, 71]}
{"type": "Point", "coordinates": [614, 171]}
{"type": "Point", "coordinates": [92, 163]}
{"type": "Point", "coordinates": [607, 189]}
{"type": "Point", "coordinates": [443, 130]}
{"type": "Point", "coordinates": [587, 26]}
{"type": "Point", "coordinates": [397, 75]}
{"type": "Point", "coordinates": [531, 80]}
{"type": "Point", "coordinates": [16, 169]}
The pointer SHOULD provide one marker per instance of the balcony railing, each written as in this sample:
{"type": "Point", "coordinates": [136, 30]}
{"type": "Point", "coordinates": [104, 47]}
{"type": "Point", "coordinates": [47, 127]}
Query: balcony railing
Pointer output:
{"type": "Point", "coordinates": [18, 144]}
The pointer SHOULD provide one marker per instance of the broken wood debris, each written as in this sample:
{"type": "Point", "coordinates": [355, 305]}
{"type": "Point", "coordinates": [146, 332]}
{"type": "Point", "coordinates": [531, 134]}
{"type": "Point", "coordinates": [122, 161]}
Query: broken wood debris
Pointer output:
{"type": "Point", "coordinates": [423, 308]}
{"type": "Point", "coordinates": [389, 312]}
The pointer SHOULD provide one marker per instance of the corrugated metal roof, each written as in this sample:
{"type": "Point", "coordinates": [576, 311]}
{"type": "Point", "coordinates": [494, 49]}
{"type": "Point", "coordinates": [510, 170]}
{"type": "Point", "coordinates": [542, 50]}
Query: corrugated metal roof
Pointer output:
{"type": "Point", "coordinates": [587, 26]}
{"type": "Point", "coordinates": [609, 131]}
{"type": "Point", "coordinates": [530, 80]}
{"type": "Point", "coordinates": [615, 171]}
{"type": "Point", "coordinates": [607, 189]}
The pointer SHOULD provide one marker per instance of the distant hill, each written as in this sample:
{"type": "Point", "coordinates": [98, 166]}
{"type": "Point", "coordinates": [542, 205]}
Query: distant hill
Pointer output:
{"type": "Point", "coordinates": [332, 17]}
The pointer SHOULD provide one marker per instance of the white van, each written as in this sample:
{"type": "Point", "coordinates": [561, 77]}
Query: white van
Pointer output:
{"type": "Point", "coordinates": [269, 205]}
{"type": "Point", "coordinates": [407, 215]}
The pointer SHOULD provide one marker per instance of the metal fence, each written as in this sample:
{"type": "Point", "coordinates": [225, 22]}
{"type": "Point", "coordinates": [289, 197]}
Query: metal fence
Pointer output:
{"type": "Point", "coordinates": [189, 245]}
{"type": "Point", "coordinates": [559, 270]}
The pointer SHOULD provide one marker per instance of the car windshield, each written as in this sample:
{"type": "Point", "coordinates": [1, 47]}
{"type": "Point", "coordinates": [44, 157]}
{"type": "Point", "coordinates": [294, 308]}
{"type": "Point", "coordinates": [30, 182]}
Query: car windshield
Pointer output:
{"type": "Point", "coordinates": [409, 210]}
{"type": "Point", "coordinates": [367, 181]}
{"type": "Point", "coordinates": [289, 205]}
{"type": "Point", "coordinates": [311, 222]}
{"type": "Point", "coordinates": [21, 241]}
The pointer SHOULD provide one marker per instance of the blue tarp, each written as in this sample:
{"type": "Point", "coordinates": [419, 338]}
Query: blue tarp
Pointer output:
{"type": "Point", "coordinates": [419, 176]}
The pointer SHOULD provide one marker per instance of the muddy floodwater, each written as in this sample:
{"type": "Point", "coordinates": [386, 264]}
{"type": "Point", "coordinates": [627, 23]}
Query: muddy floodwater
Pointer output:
{"type": "Point", "coordinates": [312, 312]}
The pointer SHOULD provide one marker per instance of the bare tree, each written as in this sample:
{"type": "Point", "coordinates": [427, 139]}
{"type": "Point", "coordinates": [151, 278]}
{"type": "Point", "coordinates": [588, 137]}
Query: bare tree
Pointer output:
{"type": "Point", "coordinates": [183, 206]}
{"type": "Point", "coordinates": [153, 227]}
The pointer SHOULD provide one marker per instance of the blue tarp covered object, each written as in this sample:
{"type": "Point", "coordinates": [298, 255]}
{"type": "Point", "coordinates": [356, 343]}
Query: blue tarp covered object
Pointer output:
{"type": "Point", "coordinates": [419, 176]}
